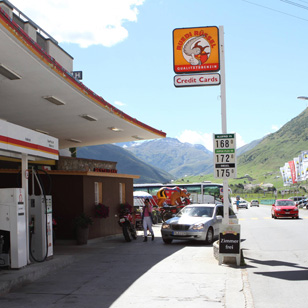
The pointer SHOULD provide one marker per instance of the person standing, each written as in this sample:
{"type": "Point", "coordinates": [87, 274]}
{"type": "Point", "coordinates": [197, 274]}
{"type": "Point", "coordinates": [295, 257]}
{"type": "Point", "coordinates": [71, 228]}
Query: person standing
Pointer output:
{"type": "Point", "coordinates": [147, 219]}
{"type": "Point", "coordinates": [237, 202]}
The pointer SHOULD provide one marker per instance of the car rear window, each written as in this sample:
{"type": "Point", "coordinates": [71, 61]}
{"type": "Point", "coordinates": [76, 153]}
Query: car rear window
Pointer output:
{"type": "Point", "coordinates": [296, 198]}
{"type": "Point", "coordinates": [285, 203]}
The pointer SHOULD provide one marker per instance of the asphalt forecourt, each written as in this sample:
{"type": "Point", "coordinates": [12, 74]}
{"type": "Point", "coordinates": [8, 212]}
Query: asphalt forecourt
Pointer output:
{"type": "Point", "coordinates": [111, 272]}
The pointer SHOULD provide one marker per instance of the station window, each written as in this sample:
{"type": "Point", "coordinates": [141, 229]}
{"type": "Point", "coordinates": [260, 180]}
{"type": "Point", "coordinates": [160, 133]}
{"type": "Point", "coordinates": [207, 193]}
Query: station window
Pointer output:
{"type": "Point", "coordinates": [98, 192]}
{"type": "Point", "coordinates": [122, 192]}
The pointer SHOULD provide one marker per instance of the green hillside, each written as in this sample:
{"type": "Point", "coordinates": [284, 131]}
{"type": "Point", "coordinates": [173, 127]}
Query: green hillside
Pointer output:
{"type": "Point", "coordinates": [276, 149]}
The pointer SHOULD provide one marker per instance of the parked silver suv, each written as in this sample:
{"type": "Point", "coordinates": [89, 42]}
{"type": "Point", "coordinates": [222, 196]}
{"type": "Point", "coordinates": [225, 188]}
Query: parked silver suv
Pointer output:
{"type": "Point", "coordinates": [296, 199]}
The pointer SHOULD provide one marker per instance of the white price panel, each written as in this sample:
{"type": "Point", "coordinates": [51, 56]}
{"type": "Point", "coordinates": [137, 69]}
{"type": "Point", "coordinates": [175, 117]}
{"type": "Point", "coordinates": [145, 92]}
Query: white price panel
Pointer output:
{"type": "Point", "coordinates": [224, 156]}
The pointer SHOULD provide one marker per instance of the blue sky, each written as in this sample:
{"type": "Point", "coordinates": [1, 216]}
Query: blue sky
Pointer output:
{"type": "Point", "coordinates": [124, 48]}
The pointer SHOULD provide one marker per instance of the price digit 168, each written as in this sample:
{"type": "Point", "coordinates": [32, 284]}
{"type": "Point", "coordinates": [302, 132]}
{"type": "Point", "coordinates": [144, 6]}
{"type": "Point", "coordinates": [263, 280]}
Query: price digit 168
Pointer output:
{"type": "Point", "coordinates": [222, 143]}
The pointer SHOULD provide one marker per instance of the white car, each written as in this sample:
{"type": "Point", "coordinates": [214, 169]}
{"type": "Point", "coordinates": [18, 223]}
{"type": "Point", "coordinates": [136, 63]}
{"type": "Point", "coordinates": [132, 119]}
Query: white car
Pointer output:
{"type": "Point", "coordinates": [254, 203]}
{"type": "Point", "coordinates": [197, 222]}
{"type": "Point", "coordinates": [243, 204]}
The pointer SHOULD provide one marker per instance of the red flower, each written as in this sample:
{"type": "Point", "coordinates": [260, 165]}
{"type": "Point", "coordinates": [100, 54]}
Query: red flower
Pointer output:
{"type": "Point", "coordinates": [101, 211]}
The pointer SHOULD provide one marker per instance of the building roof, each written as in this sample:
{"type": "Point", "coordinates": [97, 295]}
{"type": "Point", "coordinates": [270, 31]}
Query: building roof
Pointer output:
{"type": "Point", "coordinates": [39, 93]}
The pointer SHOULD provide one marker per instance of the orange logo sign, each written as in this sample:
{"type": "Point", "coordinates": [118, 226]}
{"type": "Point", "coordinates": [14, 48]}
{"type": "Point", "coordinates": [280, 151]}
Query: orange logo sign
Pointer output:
{"type": "Point", "coordinates": [196, 50]}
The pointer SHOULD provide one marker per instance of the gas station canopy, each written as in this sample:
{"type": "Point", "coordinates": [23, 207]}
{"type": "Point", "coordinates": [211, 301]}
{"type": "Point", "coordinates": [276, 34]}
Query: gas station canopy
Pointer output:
{"type": "Point", "coordinates": [39, 93]}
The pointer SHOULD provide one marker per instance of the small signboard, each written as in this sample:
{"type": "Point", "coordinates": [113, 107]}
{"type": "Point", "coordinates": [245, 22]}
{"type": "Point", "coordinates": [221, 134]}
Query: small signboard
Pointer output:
{"type": "Point", "coordinates": [196, 50]}
{"type": "Point", "coordinates": [229, 242]}
{"type": "Point", "coordinates": [77, 75]}
{"type": "Point", "coordinates": [224, 156]}
{"type": "Point", "coordinates": [197, 80]}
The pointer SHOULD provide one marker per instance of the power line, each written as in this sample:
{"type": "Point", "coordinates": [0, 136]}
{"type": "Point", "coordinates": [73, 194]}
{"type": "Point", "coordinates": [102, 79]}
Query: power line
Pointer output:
{"type": "Point", "coordinates": [295, 4]}
{"type": "Point", "coordinates": [268, 8]}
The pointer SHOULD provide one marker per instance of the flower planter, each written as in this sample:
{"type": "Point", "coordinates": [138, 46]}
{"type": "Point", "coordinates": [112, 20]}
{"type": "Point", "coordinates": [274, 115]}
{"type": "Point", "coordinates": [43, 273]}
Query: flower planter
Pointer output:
{"type": "Point", "coordinates": [82, 235]}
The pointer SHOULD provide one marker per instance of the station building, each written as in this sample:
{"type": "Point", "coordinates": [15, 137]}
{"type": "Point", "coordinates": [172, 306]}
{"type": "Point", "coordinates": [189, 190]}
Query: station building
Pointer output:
{"type": "Point", "coordinates": [41, 93]}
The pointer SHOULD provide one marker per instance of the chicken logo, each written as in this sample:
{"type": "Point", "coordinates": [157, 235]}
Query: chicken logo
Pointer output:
{"type": "Point", "coordinates": [196, 50]}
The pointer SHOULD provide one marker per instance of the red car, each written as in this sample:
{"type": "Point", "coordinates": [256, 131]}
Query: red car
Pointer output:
{"type": "Point", "coordinates": [284, 208]}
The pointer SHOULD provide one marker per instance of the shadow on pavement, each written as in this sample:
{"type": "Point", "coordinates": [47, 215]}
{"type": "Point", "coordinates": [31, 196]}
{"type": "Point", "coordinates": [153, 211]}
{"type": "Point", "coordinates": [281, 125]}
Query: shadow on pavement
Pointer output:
{"type": "Point", "coordinates": [292, 275]}
{"type": "Point", "coordinates": [102, 272]}
{"type": "Point", "coordinates": [287, 275]}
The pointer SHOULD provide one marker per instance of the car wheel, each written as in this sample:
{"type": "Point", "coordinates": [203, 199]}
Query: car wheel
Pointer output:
{"type": "Point", "coordinates": [297, 217]}
{"type": "Point", "coordinates": [155, 219]}
{"type": "Point", "coordinates": [275, 217]}
{"type": "Point", "coordinates": [209, 236]}
{"type": "Point", "coordinates": [126, 234]}
{"type": "Point", "coordinates": [167, 240]}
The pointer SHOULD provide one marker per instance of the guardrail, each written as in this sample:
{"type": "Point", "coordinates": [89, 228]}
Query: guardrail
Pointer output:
{"type": "Point", "coordinates": [267, 201]}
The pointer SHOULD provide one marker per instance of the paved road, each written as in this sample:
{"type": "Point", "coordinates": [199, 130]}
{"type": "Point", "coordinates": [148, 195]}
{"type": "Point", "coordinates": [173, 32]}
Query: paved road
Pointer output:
{"type": "Point", "coordinates": [276, 256]}
{"type": "Point", "coordinates": [113, 273]}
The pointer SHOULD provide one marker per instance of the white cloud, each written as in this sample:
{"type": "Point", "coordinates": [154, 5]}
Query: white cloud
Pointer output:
{"type": "Point", "coordinates": [194, 137]}
{"type": "Point", "coordinates": [239, 140]}
{"type": "Point", "coordinates": [118, 103]}
{"type": "Point", "coordinates": [275, 127]}
{"type": "Point", "coordinates": [206, 139]}
{"type": "Point", "coordinates": [94, 22]}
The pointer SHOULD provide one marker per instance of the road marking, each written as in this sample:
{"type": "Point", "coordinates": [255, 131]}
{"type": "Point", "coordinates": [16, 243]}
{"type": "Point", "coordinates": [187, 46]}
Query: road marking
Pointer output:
{"type": "Point", "coordinates": [257, 218]}
{"type": "Point", "coordinates": [254, 218]}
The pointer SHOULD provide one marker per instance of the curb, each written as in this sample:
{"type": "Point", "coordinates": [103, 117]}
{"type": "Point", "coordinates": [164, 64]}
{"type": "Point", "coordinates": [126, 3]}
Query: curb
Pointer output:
{"type": "Point", "coordinates": [11, 279]}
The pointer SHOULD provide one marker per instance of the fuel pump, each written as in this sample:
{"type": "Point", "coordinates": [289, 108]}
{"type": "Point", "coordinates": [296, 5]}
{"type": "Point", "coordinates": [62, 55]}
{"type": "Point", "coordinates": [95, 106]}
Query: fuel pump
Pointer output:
{"type": "Point", "coordinates": [40, 223]}
{"type": "Point", "coordinates": [13, 247]}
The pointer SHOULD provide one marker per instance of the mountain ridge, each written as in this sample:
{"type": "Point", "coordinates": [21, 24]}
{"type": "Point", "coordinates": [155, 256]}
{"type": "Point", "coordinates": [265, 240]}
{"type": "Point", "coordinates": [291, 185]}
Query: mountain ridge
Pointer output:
{"type": "Point", "coordinates": [161, 160]}
{"type": "Point", "coordinates": [127, 163]}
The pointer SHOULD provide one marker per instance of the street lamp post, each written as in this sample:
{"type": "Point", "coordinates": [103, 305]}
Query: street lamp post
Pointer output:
{"type": "Point", "coordinates": [303, 97]}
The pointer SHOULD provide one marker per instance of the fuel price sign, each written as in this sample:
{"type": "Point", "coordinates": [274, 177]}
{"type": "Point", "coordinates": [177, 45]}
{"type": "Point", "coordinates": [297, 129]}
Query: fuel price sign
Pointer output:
{"type": "Point", "coordinates": [224, 156]}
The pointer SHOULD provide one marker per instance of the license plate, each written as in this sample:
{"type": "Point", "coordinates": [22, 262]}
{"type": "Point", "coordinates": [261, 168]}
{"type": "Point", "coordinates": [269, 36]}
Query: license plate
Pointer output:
{"type": "Point", "coordinates": [179, 233]}
{"type": "Point", "coordinates": [122, 219]}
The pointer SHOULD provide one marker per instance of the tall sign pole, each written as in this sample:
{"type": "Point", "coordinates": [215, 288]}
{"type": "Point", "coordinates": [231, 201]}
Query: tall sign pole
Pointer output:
{"type": "Point", "coordinates": [198, 56]}
{"type": "Point", "coordinates": [201, 50]}
{"type": "Point", "coordinates": [224, 144]}
{"type": "Point", "coordinates": [223, 81]}
{"type": "Point", "coordinates": [223, 117]}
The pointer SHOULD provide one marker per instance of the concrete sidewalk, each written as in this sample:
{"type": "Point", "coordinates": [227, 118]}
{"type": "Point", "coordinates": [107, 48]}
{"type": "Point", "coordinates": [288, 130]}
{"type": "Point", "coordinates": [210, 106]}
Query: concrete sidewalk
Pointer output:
{"type": "Point", "coordinates": [112, 273]}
